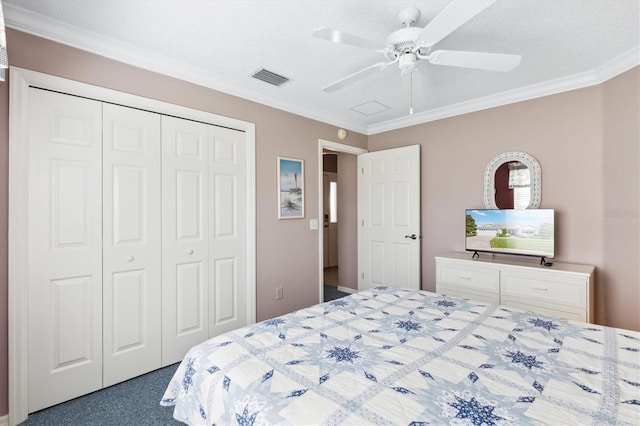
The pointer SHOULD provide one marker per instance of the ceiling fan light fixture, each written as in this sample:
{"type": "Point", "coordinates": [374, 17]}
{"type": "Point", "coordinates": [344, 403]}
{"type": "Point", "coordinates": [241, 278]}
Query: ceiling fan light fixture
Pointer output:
{"type": "Point", "coordinates": [407, 62]}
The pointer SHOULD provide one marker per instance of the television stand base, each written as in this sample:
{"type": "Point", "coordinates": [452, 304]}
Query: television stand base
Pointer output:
{"type": "Point", "coordinates": [543, 261]}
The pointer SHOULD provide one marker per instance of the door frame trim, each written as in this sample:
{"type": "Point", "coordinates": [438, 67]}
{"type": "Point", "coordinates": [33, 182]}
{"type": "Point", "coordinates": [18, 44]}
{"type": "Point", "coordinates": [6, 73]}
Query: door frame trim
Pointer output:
{"type": "Point", "coordinates": [339, 148]}
{"type": "Point", "coordinates": [19, 83]}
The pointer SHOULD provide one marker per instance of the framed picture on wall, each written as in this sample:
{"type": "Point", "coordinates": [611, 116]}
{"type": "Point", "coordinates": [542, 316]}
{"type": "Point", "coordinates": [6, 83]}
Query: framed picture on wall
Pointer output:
{"type": "Point", "coordinates": [290, 188]}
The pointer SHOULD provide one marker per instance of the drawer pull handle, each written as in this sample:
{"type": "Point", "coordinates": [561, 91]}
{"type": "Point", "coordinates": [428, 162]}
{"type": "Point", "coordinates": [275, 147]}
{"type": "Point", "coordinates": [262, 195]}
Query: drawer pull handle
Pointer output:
{"type": "Point", "coordinates": [130, 259]}
{"type": "Point", "coordinates": [465, 277]}
{"type": "Point", "coordinates": [541, 288]}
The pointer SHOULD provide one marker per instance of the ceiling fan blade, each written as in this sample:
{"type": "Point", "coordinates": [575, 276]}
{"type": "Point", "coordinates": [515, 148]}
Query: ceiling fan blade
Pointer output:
{"type": "Point", "coordinates": [337, 36]}
{"type": "Point", "coordinates": [477, 60]}
{"type": "Point", "coordinates": [359, 75]}
{"type": "Point", "coordinates": [451, 18]}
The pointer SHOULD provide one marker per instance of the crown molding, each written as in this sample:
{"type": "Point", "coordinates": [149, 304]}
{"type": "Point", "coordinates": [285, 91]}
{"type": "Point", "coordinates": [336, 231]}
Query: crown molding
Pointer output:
{"type": "Point", "coordinates": [26, 21]}
{"type": "Point", "coordinates": [611, 69]}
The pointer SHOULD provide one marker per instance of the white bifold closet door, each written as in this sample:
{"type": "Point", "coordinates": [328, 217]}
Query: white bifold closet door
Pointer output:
{"type": "Point", "coordinates": [95, 246]}
{"type": "Point", "coordinates": [137, 235]}
{"type": "Point", "coordinates": [228, 280]}
{"type": "Point", "coordinates": [132, 282]}
{"type": "Point", "coordinates": [65, 247]}
{"type": "Point", "coordinates": [203, 234]}
{"type": "Point", "coordinates": [184, 236]}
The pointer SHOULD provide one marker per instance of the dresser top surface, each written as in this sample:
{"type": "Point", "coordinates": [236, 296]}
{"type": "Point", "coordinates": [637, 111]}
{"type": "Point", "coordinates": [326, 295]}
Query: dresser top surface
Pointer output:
{"type": "Point", "coordinates": [534, 263]}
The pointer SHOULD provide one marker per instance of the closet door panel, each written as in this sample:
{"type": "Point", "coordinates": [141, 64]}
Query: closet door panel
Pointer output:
{"type": "Point", "coordinates": [188, 302]}
{"type": "Point", "coordinates": [128, 310]}
{"type": "Point", "coordinates": [227, 254]}
{"type": "Point", "coordinates": [70, 297]}
{"type": "Point", "coordinates": [185, 230]}
{"type": "Point", "coordinates": [189, 198]}
{"type": "Point", "coordinates": [65, 248]}
{"type": "Point", "coordinates": [225, 303]}
{"type": "Point", "coordinates": [132, 242]}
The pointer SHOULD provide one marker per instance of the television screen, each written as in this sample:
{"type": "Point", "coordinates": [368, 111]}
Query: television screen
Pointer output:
{"type": "Point", "coordinates": [528, 232]}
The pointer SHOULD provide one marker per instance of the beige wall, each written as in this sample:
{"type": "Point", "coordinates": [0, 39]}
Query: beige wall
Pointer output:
{"type": "Point", "coordinates": [621, 200]}
{"type": "Point", "coordinates": [587, 144]}
{"type": "Point", "coordinates": [579, 138]}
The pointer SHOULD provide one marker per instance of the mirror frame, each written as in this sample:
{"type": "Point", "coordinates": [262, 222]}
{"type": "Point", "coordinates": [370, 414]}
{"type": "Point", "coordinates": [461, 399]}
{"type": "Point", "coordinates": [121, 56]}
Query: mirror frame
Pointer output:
{"type": "Point", "coordinates": [506, 157]}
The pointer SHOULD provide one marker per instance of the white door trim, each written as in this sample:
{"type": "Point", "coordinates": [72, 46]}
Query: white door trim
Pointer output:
{"type": "Point", "coordinates": [20, 81]}
{"type": "Point", "coordinates": [340, 148]}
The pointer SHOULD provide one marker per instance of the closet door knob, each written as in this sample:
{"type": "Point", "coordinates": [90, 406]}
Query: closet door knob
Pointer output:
{"type": "Point", "coordinates": [130, 258]}
{"type": "Point", "coordinates": [190, 252]}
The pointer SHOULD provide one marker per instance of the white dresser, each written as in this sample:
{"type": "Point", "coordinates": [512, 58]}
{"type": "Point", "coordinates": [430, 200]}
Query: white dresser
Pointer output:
{"type": "Point", "coordinates": [564, 290]}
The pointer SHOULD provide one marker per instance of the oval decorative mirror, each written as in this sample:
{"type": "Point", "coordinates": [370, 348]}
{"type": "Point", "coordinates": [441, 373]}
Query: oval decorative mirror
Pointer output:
{"type": "Point", "coordinates": [512, 180]}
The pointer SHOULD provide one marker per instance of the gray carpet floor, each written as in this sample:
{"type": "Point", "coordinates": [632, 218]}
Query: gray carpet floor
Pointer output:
{"type": "Point", "coordinates": [134, 402]}
{"type": "Point", "coordinates": [332, 293]}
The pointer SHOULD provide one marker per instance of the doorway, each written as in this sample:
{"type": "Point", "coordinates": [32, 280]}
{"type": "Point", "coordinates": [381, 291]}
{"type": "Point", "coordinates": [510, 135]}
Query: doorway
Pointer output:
{"type": "Point", "coordinates": [338, 261]}
{"type": "Point", "coordinates": [330, 218]}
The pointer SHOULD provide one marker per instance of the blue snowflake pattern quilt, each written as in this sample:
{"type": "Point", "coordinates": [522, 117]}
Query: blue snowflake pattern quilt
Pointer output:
{"type": "Point", "coordinates": [395, 356]}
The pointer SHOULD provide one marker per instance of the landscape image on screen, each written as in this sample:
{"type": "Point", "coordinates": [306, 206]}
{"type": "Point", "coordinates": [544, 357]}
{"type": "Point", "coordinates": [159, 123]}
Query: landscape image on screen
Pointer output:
{"type": "Point", "coordinates": [527, 232]}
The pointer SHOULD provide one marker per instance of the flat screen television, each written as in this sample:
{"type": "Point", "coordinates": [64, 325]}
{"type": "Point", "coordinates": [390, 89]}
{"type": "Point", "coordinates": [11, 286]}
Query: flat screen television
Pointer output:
{"type": "Point", "coordinates": [527, 232]}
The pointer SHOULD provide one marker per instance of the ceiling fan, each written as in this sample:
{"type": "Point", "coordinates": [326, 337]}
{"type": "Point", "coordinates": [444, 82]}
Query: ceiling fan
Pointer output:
{"type": "Point", "coordinates": [410, 44]}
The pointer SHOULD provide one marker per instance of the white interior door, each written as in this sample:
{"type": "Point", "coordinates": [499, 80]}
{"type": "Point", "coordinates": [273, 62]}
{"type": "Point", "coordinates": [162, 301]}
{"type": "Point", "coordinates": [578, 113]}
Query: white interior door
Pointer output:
{"type": "Point", "coordinates": [131, 242]}
{"type": "Point", "coordinates": [227, 230]}
{"type": "Point", "coordinates": [65, 247]}
{"type": "Point", "coordinates": [389, 218]}
{"type": "Point", "coordinates": [185, 233]}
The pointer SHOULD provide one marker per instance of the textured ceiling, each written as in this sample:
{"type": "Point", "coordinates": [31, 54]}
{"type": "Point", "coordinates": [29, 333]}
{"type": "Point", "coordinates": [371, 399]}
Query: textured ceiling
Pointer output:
{"type": "Point", "coordinates": [564, 44]}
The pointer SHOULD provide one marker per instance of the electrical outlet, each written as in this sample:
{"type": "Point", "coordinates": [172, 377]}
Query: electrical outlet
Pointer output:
{"type": "Point", "coordinates": [279, 293]}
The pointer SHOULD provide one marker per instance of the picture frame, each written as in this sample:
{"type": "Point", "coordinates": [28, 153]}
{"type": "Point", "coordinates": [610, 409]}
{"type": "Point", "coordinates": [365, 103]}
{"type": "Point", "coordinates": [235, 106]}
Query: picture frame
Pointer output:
{"type": "Point", "coordinates": [290, 188]}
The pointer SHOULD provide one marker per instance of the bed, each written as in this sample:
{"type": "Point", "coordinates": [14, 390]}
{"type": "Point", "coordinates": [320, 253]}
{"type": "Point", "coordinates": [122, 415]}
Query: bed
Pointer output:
{"type": "Point", "coordinates": [397, 356]}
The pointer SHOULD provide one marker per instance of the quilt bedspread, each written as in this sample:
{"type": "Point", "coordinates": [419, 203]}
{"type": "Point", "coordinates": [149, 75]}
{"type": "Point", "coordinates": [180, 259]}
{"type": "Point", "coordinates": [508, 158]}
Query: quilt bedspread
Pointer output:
{"type": "Point", "coordinates": [395, 356]}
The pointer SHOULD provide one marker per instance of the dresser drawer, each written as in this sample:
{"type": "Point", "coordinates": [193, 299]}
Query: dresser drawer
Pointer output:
{"type": "Point", "coordinates": [554, 289]}
{"type": "Point", "coordinates": [477, 277]}
{"type": "Point", "coordinates": [480, 296]}
{"type": "Point", "coordinates": [574, 315]}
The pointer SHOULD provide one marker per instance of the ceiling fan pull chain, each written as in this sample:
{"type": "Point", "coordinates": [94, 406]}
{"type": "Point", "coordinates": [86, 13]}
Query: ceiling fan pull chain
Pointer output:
{"type": "Point", "coordinates": [411, 93]}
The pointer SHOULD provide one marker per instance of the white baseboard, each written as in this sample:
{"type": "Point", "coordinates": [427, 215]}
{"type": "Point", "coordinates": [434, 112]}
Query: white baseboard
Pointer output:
{"type": "Point", "coordinates": [340, 288]}
{"type": "Point", "coordinates": [4, 420]}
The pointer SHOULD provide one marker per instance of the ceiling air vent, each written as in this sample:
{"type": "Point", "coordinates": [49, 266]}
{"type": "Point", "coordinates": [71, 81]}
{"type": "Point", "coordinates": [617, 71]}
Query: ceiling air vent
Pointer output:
{"type": "Point", "coordinates": [270, 77]}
